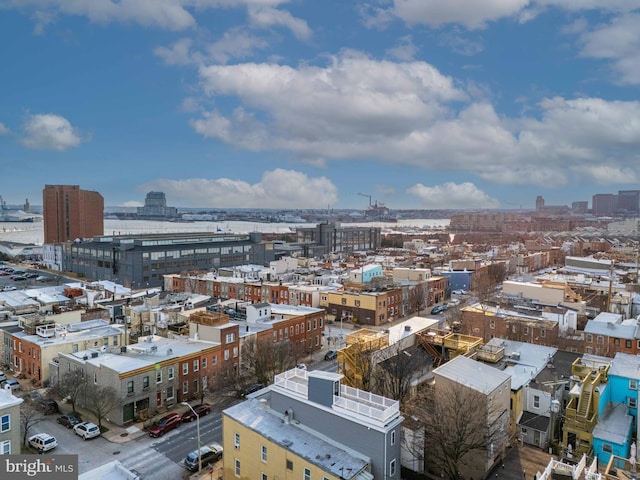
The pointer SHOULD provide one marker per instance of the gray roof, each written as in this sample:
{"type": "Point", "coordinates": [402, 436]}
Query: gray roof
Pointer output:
{"type": "Point", "coordinates": [614, 425]}
{"type": "Point", "coordinates": [473, 374]}
{"type": "Point", "coordinates": [534, 421]}
{"type": "Point", "coordinates": [625, 365]}
{"type": "Point", "coordinates": [611, 329]}
{"type": "Point", "coordinates": [529, 360]}
{"type": "Point", "coordinates": [305, 443]}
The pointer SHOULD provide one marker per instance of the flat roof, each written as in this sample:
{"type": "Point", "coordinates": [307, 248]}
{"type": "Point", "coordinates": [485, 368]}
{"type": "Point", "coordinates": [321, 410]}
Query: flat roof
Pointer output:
{"type": "Point", "coordinates": [472, 374]}
{"type": "Point", "coordinates": [305, 443]}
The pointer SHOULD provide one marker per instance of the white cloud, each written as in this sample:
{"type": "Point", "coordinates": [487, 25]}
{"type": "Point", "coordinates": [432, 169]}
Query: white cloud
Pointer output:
{"type": "Point", "coordinates": [357, 108]}
{"type": "Point", "coordinates": [265, 17]}
{"type": "Point", "coordinates": [3, 130]}
{"type": "Point", "coordinates": [49, 132]}
{"type": "Point", "coordinates": [453, 195]}
{"type": "Point", "coordinates": [166, 14]}
{"type": "Point", "coordinates": [474, 14]}
{"type": "Point", "coordinates": [235, 43]}
{"type": "Point", "coordinates": [178, 53]}
{"type": "Point", "coordinates": [471, 13]}
{"type": "Point", "coordinates": [133, 203]}
{"type": "Point", "coordinates": [277, 189]}
{"type": "Point", "coordinates": [618, 41]}
{"type": "Point", "coordinates": [405, 50]}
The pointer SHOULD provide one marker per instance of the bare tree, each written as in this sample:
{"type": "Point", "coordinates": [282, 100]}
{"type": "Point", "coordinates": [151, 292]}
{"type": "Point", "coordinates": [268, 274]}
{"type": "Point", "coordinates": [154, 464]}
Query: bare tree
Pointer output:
{"type": "Point", "coordinates": [29, 416]}
{"type": "Point", "coordinates": [418, 298]}
{"type": "Point", "coordinates": [101, 400]}
{"type": "Point", "coordinates": [457, 428]}
{"type": "Point", "coordinates": [265, 358]}
{"type": "Point", "coordinates": [70, 386]}
{"type": "Point", "coordinates": [393, 376]}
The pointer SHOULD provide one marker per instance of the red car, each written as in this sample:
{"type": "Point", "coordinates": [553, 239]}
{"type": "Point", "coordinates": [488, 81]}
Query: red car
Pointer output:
{"type": "Point", "coordinates": [164, 425]}
{"type": "Point", "coordinates": [201, 410]}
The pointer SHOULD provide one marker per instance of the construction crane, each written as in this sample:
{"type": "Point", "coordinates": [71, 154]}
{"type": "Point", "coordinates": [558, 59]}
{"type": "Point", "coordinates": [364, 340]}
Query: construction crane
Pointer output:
{"type": "Point", "coordinates": [365, 195]}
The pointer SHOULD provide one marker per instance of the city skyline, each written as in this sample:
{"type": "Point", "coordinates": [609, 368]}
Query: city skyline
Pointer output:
{"type": "Point", "coordinates": [416, 104]}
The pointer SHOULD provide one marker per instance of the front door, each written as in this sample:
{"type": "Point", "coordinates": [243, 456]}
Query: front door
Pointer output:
{"type": "Point", "coordinates": [536, 438]}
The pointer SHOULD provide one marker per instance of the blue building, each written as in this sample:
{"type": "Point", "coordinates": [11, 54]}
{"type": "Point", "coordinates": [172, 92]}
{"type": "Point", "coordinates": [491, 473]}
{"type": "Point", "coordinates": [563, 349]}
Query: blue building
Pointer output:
{"type": "Point", "coordinates": [612, 433]}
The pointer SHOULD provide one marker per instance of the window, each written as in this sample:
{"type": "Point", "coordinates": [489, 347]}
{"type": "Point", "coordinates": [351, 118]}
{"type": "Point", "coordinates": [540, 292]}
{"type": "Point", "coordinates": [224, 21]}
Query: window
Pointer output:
{"type": "Point", "coordinates": [616, 342]}
{"type": "Point", "coordinates": [236, 440]}
{"type": "Point", "coordinates": [226, 354]}
{"type": "Point", "coordinates": [514, 329]}
{"type": "Point", "coordinates": [196, 386]}
{"type": "Point", "coordinates": [526, 330]}
{"type": "Point", "coordinates": [214, 359]}
{"type": "Point", "coordinates": [185, 368]}
{"type": "Point", "coordinates": [185, 387]}
{"type": "Point", "coordinates": [235, 352]}
{"type": "Point", "coordinates": [159, 376]}
{"type": "Point", "coordinates": [633, 385]}
{"type": "Point", "coordinates": [263, 453]}
{"type": "Point", "coordinates": [392, 467]}
{"type": "Point", "coordinates": [169, 392]}
{"type": "Point", "coordinates": [145, 383]}
{"type": "Point", "coordinates": [263, 476]}
{"type": "Point", "coordinates": [95, 378]}
{"type": "Point", "coordinates": [632, 403]}
{"type": "Point", "coordinates": [393, 437]}
{"type": "Point", "coordinates": [5, 447]}
{"type": "Point", "coordinates": [230, 338]}
{"type": "Point", "coordinates": [606, 448]}
{"type": "Point", "coordinates": [543, 333]}
{"type": "Point", "coordinates": [307, 474]}
{"type": "Point", "coordinates": [492, 324]}
{"type": "Point", "coordinates": [536, 401]}
{"type": "Point", "coordinates": [130, 387]}
{"type": "Point", "coordinates": [600, 339]}
{"type": "Point", "coordinates": [298, 331]}
{"type": "Point", "coordinates": [196, 365]}
{"type": "Point", "coordinates": [204, 363]}
{"type": "Point", "coordinates": [237, 467]}
{"type": "Point", "coordinates": [589, 338]}
{"type": "Point", "coordinates": [627, 343]}
{"type": "Point", "coordinates": [170, 373]}
{"type": "Point", "coordinates": [308, 325]}
{"type": "Point", "coordinates": [289, 465]}
{"type": "Point", "coordinates": [344, 301]}
{"type": "Point", "coordinates": [5, 423]}
{"type": "Point", "coordinates": [357, 303]}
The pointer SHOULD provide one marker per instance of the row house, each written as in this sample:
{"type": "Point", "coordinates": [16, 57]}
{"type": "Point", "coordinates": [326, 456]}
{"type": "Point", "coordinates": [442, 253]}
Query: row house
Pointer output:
{"type": "Point", "coordinates": [299, 325]}
{"type": "Point", "coordinates": [32, 354]}
{"type": "Point", "coordinates": [363, 307]}
{"type": "Point", "coordinates": [608, 334]}
{"type": "Point", "coordinates": [538, 328]}
{"type": "Point", "coordinates": [10, 437]}
{"type": "Point", "coordinates": [149, 376]}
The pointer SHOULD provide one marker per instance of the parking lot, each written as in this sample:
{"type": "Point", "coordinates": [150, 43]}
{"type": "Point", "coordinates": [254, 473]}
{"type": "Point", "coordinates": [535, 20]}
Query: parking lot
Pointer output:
{"type": "Point", "coordinates": [18, 277]}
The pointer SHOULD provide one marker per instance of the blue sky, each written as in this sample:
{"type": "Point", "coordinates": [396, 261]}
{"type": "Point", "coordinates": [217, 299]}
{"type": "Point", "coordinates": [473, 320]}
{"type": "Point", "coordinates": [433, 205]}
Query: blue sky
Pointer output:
{"type": "Point", "coordinates": [421, 104]}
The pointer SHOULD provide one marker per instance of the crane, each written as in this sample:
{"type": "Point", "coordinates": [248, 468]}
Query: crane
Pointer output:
{"type": "Point", "coordinates": [365, 195]}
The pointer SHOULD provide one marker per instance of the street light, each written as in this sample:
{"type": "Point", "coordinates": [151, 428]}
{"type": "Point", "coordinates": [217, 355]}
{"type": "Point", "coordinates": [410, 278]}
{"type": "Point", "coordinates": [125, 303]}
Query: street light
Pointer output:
{"type": "Point", "coordinates": [186, 404]}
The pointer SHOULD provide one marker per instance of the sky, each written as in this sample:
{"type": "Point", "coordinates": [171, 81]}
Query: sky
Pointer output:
{"type": "Point", "coordinates": [414, 104]}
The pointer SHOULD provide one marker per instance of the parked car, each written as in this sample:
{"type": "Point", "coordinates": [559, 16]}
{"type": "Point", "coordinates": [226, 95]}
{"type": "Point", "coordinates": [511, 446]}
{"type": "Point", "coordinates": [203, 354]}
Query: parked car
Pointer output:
{"type": "Point", "coordinates": [42, 278]}
{"type": "Point", "coordinates": [208, 454]}
{"type": "Point", "coordinates": [18, 278]}
{"type": "Point", "coordinates": [87, 430]}
{"type": "Point", "coordinates": [2, 376]}
{"type": "Point", "coordinates": [301, 366]}
{"type": "Point", "coordinates": [31, 275]}
{"type": "Point", "coordinates": [165, 424]}
{"type": "Point", "coordinates": [8, 288]}
{"type": "Point", "coordinates": [202, 410]}
{"type": "Point", "coordinates": [12, 382]}
{"type": "Point", "coordinates": [70, 420]}
{"type": "Point", "coordinates": [331, 355]}
{"type": "Point", "coordinates": [250, 389]}
{"type": "Point", "coordinates": [43, 442]}
{"type": "Point", "coordinates": [48, 407]}
{"type": "Point", "coordinates": [437, 309]}
{"type": "Point", "coordinates": [457, 292]}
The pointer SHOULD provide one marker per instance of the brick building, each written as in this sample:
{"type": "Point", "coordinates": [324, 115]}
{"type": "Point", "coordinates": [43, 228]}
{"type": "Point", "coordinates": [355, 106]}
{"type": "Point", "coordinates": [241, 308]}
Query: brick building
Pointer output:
{"type": "Point", "coordinates": [70, 213]}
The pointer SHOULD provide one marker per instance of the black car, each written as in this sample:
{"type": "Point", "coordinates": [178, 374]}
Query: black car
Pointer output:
{"type": "Point", "coordinates": [70, 420]}
{"type": "Point", "coordinates": [331, 355]}
{"type": "Point", "coordinates": [201, 410]}
{"type": "Point", "coordinates": [250, 389]}
{"type": "Point", "coordinates": [48, 407]}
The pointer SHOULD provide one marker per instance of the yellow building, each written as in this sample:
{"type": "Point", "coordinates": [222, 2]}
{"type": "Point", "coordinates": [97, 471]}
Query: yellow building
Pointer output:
{"type": "Point", "coordinates": [308, 426]}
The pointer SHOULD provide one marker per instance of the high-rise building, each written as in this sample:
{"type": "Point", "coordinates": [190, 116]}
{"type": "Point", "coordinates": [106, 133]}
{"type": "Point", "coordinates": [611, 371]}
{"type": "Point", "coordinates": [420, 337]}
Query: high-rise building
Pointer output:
{"type": "Point", "coordinates": [628, 202]}
{"type": "Point", "coordinates": [71, 213]}
{"type": "Point", "coordinates": [603, 204]}
{"type": "Point", "coordinates": [539, 203]}
{"type": "Point", "coordinates": [155, 205]}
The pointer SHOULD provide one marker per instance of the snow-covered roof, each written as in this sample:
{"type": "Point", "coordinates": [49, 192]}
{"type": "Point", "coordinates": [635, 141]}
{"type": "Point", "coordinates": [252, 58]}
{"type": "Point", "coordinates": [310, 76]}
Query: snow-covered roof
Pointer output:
{"type": "Point", "coordinates": [470, 373]}
{"type": "Point", "coordinates": [625, 365]}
